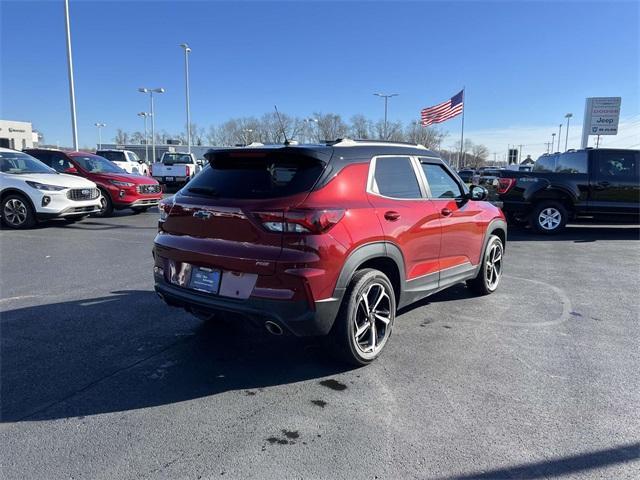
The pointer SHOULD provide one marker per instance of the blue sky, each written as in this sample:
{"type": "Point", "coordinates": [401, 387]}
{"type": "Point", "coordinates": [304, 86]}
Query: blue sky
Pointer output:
{"type": "Point", "coordinates": [524, 64]}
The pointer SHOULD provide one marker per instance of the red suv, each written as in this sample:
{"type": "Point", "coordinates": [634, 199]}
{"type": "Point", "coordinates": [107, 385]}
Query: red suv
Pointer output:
{"type": "Point", "coordinates": [325, 239]}
{"type": "Point", "coordinates": [119, 189]}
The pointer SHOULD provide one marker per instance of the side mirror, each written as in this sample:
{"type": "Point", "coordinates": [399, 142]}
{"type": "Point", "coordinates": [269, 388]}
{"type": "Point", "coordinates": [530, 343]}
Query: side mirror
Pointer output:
{"type": "Point", "coordinates": [200, 162]}
{"type": "Point", "coordinates": [71, 170]}
{"type": "Point", "coordinates": [478, 193]}
{"type": "Point", "coordinates": [140, 161]}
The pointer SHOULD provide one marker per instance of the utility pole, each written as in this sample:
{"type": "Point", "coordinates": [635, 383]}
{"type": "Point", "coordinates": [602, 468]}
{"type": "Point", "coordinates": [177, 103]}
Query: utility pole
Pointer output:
{"type": "Point", "coordinates": [187, 51]}
{"type": "Point", "coordinates": [520, 153]}
{"type": "Point", "coordinates": [566, 140]}
{"type": "Point", "coordinates": [559, 136]}
{"type": "Point", "coordinates": [386, 98]}
{"type": "Point", "coordinates": [548, 144]}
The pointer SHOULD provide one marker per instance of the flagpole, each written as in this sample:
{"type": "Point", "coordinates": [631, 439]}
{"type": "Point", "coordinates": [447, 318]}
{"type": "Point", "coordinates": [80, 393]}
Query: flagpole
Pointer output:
{"type": "Point", "coordinates": [462, 131]}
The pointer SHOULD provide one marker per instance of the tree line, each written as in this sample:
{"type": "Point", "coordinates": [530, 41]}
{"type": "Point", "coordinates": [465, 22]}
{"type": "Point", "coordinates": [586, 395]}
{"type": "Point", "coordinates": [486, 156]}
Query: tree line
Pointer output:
{"type": "Point", "coordinates": [317, 128]}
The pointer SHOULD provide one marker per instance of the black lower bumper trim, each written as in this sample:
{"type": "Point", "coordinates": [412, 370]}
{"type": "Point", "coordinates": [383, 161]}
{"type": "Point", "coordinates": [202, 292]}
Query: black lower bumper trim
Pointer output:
{"type": "Point", "coordinates": [293, 316]}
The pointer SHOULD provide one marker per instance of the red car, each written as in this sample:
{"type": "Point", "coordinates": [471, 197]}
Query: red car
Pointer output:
{"type": "Point", "coordinates": [325, 239]}
{"type": "Point", "coordinates": [119, 189]}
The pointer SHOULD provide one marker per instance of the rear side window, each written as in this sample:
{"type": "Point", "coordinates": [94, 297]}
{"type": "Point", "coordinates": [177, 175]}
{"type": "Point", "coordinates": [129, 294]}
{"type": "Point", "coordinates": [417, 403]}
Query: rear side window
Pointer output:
{"type": "Point", "coordinates": [256, 175]}
{"type": "Point", "coordinates": [572, 162]}
{"type": "Point", "coordinates": [113, 156]}
{"type": "Point", "coordinates": [394, 177]}
{"type": "Point", "coordinates": [441, 184]}
{"type": "Point", "coordinates": [546, 163]}
{"type": "Point", "coordinates": [620, 165]}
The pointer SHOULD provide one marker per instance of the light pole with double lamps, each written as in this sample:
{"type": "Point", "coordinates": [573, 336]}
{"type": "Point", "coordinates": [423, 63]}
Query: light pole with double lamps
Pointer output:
{"type": "Point", "coordinates": [386, 98]}
{"type": "Point", "coordinates": [144, 115]}
{"type": "Point", "coordinates": [99, 126]}
{"type": "Point", "coordinates": [151, 91]}
{"type": "Point", "coordinates": [187, 51]}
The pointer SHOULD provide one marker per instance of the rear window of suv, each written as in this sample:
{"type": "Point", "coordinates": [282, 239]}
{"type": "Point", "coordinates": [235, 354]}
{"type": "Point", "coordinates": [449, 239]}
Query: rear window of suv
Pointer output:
{"type": "Point", "coordinates": [172, 158]}
{"type": "Point", "coordinates": [256, 175]}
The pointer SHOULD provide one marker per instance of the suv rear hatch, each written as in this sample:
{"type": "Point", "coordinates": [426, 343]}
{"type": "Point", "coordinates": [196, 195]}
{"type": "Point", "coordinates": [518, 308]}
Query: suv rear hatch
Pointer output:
{"type": "Point", "coordinates": [231, 215]}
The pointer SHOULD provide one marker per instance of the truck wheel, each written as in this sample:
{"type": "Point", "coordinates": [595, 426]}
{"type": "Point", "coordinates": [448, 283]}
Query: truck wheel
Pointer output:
{"type": "Point", "coordinates": [106, 205]}
{"type": "Point", "coordinates": [365, 319]}
{"type": "Point", "coordinates": [490, 273]}
{"type": "Point", "coordinates": [549, 217]}
{"type": "Point", "coordinates": [17, 212]}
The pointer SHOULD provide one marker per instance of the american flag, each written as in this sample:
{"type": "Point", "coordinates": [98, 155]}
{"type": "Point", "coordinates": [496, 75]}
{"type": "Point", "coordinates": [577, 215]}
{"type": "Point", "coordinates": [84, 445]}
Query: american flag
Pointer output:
{"type": "Point", "coordinates": [443, 111]}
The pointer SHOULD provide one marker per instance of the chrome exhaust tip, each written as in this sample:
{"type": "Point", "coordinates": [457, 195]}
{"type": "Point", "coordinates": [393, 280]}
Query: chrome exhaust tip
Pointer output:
{"type": "Point", "coordinates": [273, 328]}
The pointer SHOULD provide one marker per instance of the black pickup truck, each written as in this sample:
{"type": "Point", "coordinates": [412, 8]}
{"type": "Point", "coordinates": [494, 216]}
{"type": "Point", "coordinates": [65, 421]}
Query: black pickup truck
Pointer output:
{"type": "Point", "coordinates": [601, 184]}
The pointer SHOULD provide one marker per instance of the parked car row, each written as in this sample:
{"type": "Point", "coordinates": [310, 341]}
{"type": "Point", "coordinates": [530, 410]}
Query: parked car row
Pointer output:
{"type": "Point", "coordinates": [45, 183]}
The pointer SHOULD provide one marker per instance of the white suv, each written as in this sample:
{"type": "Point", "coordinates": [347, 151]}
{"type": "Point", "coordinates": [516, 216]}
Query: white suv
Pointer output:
{"type": "Point", "coordinates": [29, 191]}
{"type": "Point", "coordinates": [126, 160]}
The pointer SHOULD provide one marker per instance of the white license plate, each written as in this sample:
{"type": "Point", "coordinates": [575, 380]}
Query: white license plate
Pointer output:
{"type": "Point", "coordinates": [170, 179]}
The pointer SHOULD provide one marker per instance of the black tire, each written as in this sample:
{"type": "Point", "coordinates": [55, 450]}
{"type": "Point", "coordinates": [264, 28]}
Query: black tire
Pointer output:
{"type": "Point", "coordinates": [17, 212]}
{"type": "Point", "coordinates": [106, 205]}
{"type": "Point", "coordinates": [549, 217]}
{"type": "Point", "coordinates": [488, 279]}
{"type": "Point", "coordinates": [137, 210]}
{"type": "Point", "coordinates": [343, 334]}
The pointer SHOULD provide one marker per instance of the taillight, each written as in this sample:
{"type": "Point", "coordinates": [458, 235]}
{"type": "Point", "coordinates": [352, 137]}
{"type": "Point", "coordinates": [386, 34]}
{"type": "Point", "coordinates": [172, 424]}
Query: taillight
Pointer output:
{"type": "Point", "coordinates": [187, 171]}
{"type": "Point", "coordinates": [505, 184]}
{"type": "Point", "coordinates": [300, 221]}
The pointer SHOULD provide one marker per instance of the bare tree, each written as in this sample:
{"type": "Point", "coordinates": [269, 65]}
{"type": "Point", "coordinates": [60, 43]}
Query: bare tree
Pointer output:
{"type": "Point", "coordinates": [121, 137]}
{"type": "Point", "coordinates": [480, 153]}
{"type": "Point", "coordinates": [212, 135]}
{"type": "Point", "coordinates": [137, 137]}
{"type": "Point", "coordinates": [429, 137]}
{"type": "Point", "coordinates": [330, 127]}
{"type": "Point", "coordinates": [360, 127]}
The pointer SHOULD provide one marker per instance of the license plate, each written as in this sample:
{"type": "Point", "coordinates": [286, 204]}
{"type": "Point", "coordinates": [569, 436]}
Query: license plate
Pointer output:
{"type": "Point", "coordinates": [170, 179]}
{"type": "Point", "coordinates": [205, 279]}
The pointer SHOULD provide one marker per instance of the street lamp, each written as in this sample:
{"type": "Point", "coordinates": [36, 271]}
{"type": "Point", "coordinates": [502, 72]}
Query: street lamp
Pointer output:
{"type": "Point", "coordinates": [187, 51]}
{"type": "Point", "coordinates": [386, 98]}
{"type": "Point", "coordinates": [308, 121]}
{"type": "Point", "coordinates": [72, 93]}
{"type": "Point", "coordinates": [99, 127]}
{"type": "Point", "coordinates": [553, 141]}
{"type": "Point", "coordinates": [144, 115]}
{"type": "Point", "coordinates": [151, 91]}
{"type": "Point", "coordinates": [566, 140]}
{"type": "Point", "coordinates": [559, 136]}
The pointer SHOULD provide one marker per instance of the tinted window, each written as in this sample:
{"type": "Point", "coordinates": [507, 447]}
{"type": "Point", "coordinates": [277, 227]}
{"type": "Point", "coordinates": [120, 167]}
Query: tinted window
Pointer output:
{"type": "Point", "coordinates": [572, 162]}
{"type": "Point", "coordinates": [618, 164]}
{"type": "Point", "coordinates": [113, 156]}
{"type": "Point", "coordinates": [394, 177]}
{"type": "Point", "coordinates": [255, 175]}
{"type": "Point", "coordinates": [441, 184]}
{"type": "Point", "coordinates": [171, 158]}
{"type": "Point", "coordinates": [60, 162]}
{"type": "Point", "coordinates": [546, 163]}
{"type": "Point", "coordinates": [43, 156]}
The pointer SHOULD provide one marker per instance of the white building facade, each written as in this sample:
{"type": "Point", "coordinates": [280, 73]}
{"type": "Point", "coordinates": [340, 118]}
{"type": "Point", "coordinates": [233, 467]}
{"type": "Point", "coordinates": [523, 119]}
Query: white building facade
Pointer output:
{"type": "Point", "coordinates": [17, 135]}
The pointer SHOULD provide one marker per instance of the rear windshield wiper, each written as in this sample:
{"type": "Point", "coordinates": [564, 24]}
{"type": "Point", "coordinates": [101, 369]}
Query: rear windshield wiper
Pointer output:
{"type": "Point", "coordinates": [208, 191]}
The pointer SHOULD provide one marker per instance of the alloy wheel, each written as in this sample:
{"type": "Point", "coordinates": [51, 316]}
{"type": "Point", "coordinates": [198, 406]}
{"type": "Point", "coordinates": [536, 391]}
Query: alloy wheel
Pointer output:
{"type": "Point", "coordinates": [494, 265]}
{"type": "Point", "coordinates": [15, 212]}
{"type": "Point", "coordinates": [372, 319]}
{"type": "Point", "coordinates": [550, 218]}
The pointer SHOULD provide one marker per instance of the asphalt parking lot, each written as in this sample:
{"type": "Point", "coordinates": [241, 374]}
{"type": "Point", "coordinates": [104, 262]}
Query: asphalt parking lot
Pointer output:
{"type": "Point", "coordinates": [101, 380]}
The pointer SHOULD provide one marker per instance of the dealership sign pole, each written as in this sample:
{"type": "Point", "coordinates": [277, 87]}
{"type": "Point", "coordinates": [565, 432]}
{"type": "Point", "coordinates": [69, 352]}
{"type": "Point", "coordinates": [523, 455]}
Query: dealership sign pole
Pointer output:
{"type": "Point", "coordinates": [601, 117]}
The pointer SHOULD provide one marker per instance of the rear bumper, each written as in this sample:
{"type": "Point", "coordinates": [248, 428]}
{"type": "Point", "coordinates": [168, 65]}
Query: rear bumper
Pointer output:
{"type": "Point", "coordinates": [294, 316]}
{"type": "Point", "coordinates": [175, 181]}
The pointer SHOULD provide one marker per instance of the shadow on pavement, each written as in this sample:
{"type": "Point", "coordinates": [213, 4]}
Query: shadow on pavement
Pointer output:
{"type": "Point", "coordinates": [130, 351]}
{"type": "Point", "coordinates": [577, 234]}
{"type": "Point", "coordinates": [561, 466]}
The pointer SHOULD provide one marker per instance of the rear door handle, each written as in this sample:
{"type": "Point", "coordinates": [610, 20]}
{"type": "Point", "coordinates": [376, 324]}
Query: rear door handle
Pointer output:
{"type": "Point", "coordinates": [445, 212]}
{"type": "Point", "coordinates": [392, 216]}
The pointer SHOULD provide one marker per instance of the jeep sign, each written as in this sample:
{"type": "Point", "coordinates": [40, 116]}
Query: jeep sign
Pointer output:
{"type": "Point", "coordinates": [601, 116]}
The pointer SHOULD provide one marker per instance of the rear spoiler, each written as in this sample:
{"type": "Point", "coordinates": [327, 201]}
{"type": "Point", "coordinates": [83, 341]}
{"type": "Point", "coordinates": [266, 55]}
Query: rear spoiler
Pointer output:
{"type": "Point", "coordinates": [321, 154]}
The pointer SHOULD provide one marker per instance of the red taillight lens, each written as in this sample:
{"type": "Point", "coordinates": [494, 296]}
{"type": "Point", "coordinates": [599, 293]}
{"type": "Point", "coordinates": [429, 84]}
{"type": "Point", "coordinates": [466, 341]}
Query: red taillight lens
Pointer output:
{"type": "Point", "coordinates": [187, 170]}
{"type": "Point", "coordinates": [300, 221]}
{"type": "Point", "coordinates": [505, 184]}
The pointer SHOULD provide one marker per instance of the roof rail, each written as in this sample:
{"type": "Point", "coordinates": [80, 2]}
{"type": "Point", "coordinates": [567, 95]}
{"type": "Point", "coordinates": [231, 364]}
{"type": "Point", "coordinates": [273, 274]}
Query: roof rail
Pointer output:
{"type": "Point", "coordinates": [350, 142]}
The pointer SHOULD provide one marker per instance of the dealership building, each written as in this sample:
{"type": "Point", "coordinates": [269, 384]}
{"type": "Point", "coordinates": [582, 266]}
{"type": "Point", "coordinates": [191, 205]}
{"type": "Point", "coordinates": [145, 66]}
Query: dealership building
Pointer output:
{"type": "Point", "coordinates": [17, 135]}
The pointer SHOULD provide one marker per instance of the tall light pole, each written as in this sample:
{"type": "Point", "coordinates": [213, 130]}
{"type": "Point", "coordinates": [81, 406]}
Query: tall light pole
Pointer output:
{"type": "Point", "coordinates": [144, 115]}
{"type": "Point", "coordinates": [187, 51]}
{"type": "Point", "coordinates": [310, 120]}
{"type": "Point", "coordinates": [99, 126]}
{"type": "Point", "coordinates": [553, 141]}
{"type": "Point", "coordinates": [559, 136]}
{"type": "Point", "coordinates": [386, 98]}
{"type": "Point", "coordinates": [566, 140]}
{"type": "Point", "coordinates": [151, 91]}
{"type": "Point", "coordinates": [72, 92]}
